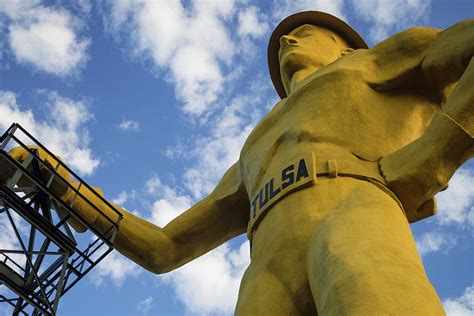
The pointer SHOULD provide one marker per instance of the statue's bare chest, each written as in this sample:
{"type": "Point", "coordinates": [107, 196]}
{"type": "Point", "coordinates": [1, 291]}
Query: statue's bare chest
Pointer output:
{"type": "Point", "coordinates": [337, 107]}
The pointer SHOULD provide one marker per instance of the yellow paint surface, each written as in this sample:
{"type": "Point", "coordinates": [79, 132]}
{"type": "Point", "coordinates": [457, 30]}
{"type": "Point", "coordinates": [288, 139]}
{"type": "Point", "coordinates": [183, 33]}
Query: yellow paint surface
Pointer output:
{"type": "Point", "coordinates": [380, 131]}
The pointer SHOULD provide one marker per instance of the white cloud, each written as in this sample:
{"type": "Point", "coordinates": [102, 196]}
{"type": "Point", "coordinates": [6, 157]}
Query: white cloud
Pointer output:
{"type": "Point", "coordinates": [115, 267]}
{"type": "Point", "coordinates": [121, 198]}
{"type": "Point", "coordinates": [217, 151]}
{"type": "Point", "coordinates": [117, 15]}
{"type": "Point", "coordinates": [129, 126]}
{"type": "Point", "coordinates": [284, 8]}
{"type": "Point", "coordinates": [435, 241]}
{"type": "Point", "coordinates": [251, 23]}
{"type": "Point", "coordinates": [461, 306]}
{"type": "Point", "coordinates": [84, 5]}
{"type": "Point", "coordinates": [209, 285]}
{"type": "Point", "coordinates": [9, 239]}
{"type": "Point", "coordinates": [166, 209]}
{"type": "Point", "coordinates": [153, 185]}
{"type": "Point", "coordinates": [456, 204]}
{"type": "Point", "coordinates": [388, 17]}
{"type": "Point", "coordinates": [196, 46]}
{"type": "Point", "coordinates": [145, 305]}
{"type": "Point", "coordinates": [190, 47]}
{"type": "Point", "coordinates": [4, 65]}
{"type": "Point", "coordinates": [14, 8]}
{"type": "Point", "coordinates": [455, 208]}
{"type": "Point", "coordinates": [170, 203]}
{"type": "Point", "coordinates": [215, 155]}
{"type": "Point", "coordinates": [62, 131]}
{"type": "Point", "coordinates": [45, 38]}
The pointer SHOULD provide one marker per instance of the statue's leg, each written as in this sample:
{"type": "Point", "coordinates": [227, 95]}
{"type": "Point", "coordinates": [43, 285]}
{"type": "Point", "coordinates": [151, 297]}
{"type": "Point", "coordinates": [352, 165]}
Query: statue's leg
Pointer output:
{"type": "Point", "coordinates": [262, 293]}
{"type": "Point", "coordinates": [362, 260]}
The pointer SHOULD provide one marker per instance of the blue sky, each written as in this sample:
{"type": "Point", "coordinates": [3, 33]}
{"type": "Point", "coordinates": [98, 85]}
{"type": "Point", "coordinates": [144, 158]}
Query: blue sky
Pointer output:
{"type": "Point", "coordinates": [152, 102]}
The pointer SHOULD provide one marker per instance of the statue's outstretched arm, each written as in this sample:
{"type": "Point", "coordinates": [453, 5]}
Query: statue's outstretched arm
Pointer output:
{"type": "Point", "coordinates": [217, 218]}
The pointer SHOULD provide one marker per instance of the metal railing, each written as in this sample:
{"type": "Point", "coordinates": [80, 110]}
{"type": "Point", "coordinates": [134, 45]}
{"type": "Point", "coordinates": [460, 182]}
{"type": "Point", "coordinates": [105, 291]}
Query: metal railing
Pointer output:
{"type": "Point", "coordinates": [42, 257]}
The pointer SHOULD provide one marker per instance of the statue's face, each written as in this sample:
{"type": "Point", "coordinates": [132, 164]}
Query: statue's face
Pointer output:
{"type": "Point", "coordinates": [308, 46]}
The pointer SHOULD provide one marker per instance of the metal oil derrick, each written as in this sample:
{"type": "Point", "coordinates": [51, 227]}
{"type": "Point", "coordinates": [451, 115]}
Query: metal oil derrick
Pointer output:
{"type": "Point", "coordinates": [41, 257]}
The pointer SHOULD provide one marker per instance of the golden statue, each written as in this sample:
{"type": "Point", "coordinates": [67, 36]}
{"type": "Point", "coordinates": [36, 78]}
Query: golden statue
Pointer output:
{"type": "Point", "coordinates": [329, 180]}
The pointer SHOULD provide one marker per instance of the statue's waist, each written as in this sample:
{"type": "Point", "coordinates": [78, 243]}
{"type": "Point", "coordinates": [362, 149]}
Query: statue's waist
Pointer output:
{"type": "Point", "coordinates": [301, 172]}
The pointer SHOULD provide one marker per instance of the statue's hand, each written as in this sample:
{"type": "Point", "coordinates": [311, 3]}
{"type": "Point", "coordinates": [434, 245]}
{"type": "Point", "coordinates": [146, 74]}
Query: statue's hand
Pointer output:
{"type": "Point", "coordinates": [59, 186]}
{"type": "Point", "coordinates": [415, 173]}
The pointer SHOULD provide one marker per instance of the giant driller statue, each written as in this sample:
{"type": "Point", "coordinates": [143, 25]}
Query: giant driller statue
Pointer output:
{"type": "Point", "coordinates": [328, 182]}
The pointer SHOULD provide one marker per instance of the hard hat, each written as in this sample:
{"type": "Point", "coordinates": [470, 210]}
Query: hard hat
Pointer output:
{"type": "Point", "coordinates": [307, 17]}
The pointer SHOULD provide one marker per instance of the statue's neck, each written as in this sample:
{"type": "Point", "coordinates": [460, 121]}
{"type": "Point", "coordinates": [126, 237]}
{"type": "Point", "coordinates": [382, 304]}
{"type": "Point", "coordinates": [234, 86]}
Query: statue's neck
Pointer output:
{"type": "Point", "coordinates": [298, 78]}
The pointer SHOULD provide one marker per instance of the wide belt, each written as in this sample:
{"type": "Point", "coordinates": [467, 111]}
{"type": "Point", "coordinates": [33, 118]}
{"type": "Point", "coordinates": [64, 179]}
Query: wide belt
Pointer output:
{"type": "Point", "coordinates": [303, 172]}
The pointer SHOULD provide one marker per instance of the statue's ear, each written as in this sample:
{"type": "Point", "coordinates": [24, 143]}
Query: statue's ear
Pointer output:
{"type": "Point", "coordinates": [346, 51]}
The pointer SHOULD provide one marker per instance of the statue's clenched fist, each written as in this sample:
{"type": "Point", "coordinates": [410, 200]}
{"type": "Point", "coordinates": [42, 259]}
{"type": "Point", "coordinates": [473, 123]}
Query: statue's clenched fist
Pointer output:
{"type": "Point", "coordinates": [58, 185]}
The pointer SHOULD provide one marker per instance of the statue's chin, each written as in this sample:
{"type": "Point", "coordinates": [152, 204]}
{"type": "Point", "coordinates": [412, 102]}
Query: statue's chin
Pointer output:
{"type": "Point", "coordinates": [294, 61]}
{"type": "Point", "coordinates": [291, 65]}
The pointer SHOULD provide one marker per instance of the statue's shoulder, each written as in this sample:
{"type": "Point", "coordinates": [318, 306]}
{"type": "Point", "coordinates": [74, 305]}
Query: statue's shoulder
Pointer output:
{"type": "Point", "coordinates": [396, 60]}
{"type": "Point", "coordinates": [410, 42]}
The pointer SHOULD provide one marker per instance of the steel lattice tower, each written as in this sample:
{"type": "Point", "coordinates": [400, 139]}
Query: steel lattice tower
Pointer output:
{"type": "Point", "coordinates": [41, 257]}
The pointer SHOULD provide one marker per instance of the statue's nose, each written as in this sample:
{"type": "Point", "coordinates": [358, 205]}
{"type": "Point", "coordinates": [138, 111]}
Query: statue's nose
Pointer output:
{"type": "Point", "coordinates": [287, 39]}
